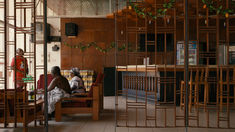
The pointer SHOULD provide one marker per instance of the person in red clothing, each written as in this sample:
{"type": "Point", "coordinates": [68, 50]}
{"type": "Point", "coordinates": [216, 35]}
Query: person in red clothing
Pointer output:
{"type": "Point", "coordinates": [20, 67]}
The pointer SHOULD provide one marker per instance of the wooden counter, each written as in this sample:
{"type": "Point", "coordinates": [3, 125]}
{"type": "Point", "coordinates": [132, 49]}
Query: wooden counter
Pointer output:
{"type": "Point", "coordinates": [167, 78]}
{"type": "Point", "coordinates": [151, 68]}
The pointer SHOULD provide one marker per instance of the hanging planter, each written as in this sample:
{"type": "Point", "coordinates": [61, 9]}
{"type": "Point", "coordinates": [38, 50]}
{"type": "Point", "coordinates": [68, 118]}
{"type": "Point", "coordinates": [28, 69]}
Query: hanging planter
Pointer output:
{"type": "Point", "coordinates": [83, 47]}
{"type": "Point", "coordinates": [143, 12]}
{"type": "Point", "coordinates": [210, 4]}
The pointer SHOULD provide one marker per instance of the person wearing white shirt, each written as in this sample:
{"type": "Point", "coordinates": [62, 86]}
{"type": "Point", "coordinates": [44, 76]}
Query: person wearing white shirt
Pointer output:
{"type": "Point", "coordinates": [76, 83]}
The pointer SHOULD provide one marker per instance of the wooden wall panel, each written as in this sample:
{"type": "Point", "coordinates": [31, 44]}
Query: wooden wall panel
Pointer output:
{"type": "Point", "coordinates": [100, 30]}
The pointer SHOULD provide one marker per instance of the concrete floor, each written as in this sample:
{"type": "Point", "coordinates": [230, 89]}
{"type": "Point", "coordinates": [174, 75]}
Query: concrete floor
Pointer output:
{"type": "Point", "coordinates": [84, 123]}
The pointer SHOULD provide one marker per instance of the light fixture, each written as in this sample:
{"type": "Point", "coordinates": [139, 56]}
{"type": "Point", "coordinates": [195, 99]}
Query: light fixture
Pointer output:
{"type": "Point", "coordinates": [150, 22]}
{"type": "Point", "coordinates": [205, 21]}
{"type": "Point", "coordinates": [121, 32]}
{"type": "Point", "coordinates": [204, 6]}
{"type": "Point", "coordinates": [168, 20]}
{"type": "Point", "coordinates": [55, 48]}
{"type": "Point", "coordinates": [226, 15]}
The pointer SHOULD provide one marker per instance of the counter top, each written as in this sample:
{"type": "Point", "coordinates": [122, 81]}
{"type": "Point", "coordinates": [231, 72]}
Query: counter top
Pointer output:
{"type": "Point", "coordinates": [151, 68]}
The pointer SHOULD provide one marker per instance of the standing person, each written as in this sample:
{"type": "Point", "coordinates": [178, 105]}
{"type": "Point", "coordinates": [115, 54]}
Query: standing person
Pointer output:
{"type": "Point", "coordinates": [58, 88]}
{"type": "Point", "coordinates": [76, 84]}
{"type": "Point", "coordinates": [20, 66]}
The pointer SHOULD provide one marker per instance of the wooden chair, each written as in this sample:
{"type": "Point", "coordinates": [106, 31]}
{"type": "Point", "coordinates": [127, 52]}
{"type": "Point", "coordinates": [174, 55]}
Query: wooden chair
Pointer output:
{"type": "Point", "coordinates": [206, 88]}
{"type": "Point", "coordinates": [194, 85]}
{"type": "Point", "coordinates": [25, 112]}
{"type": "Point", "coordinates": [183, 93]}
{"type": "Point", "coordinates": [40, 82]}
{"type": "Point", "coordinates": [79, 105]}
{"type": "Point", "coordinates": [193, 90]}
{"type": "Point", "coordinates": [224, 98]}
{"type": "Point", "coordinates": [224, 93]}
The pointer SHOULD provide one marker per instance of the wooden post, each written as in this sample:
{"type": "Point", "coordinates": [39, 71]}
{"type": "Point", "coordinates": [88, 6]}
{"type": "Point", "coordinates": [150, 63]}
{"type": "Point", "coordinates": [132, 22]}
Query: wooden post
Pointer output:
{"type": "Point", "coordinates": [25, 111]}
{"type": "Point", "coordinates": [58, 111]}
{"type": "Point", "coordinates": [206, 88]}
{"type": "Point", "coordinates": [182, 94]}
{"type": "Point", "coordinates": [96, 102]}
{"type": "Point", "coordinates": [234, 86]}
{"type": "Point", "coordinates": [101, 95]}
{"type": "Point", "coordinates": [190, 91]}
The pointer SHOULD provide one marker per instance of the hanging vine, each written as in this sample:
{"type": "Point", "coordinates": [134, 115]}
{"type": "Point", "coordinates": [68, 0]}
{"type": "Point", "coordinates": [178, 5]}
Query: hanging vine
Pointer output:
{"type": "Point", "coordinates": [145, 13]}
{"type": "Point", "coordinates": [83, 47]}
{"type": "Point", "coordinates": [211, 5]}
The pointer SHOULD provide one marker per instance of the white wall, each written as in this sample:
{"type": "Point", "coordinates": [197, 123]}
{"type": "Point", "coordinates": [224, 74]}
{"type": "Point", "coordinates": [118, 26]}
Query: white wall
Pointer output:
{"type": "Point", "coordinates": [52, 56]}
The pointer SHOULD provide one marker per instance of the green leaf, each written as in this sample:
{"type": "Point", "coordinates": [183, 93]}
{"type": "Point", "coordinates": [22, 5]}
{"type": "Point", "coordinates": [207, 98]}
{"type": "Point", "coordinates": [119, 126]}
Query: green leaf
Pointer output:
{"type": "Point", "coordinates": [210, 6]}
{"type": "Point", "coordinates": [220, 7]}
{"type": "Point", "coordinates": [169, 5]}
{"type": "Point", "coordinates": [159, 10]}
{"type": "Point", "coordinates": [230, 11]}
{"type": "Point", "coordinates": [212, 2]}
{"type": "Point", "coordinates": [164, 5]}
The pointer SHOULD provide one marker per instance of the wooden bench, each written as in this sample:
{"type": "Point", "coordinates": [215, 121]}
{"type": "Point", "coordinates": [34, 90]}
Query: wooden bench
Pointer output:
{"type": "Point", "coordinates": [80, 105]}
{"type": "Point", "coordinates": [21, 111]}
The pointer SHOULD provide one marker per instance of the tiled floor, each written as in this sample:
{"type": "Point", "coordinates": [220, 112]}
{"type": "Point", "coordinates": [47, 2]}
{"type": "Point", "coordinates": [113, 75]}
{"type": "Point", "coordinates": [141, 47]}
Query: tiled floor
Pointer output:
{"type": "Point", "coordinates": [84, 123]}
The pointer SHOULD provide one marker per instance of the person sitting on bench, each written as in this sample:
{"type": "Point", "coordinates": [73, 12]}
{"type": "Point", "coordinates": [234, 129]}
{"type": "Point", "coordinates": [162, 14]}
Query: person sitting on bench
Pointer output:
{"type": "Point", "coordinates": [58, 88]}
{"type": "Point", "coordinates": [76, 83]}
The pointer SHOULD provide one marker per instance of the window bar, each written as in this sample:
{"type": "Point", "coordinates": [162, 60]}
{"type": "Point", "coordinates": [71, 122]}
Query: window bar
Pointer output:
{"type": "Point", "coordinates": [228, 81]}
{"type": "Point", "coordinates": [217, 63]}
{"type": "Point", "coordinates": [45, 64]}
{"type": "Point", "coordinates": [186, 60]}
{"type": "Point", "coordinates": [5, 64]}
{"type": "Point", "coordinates": [175, 46]}
{"type": "Point", "coordinates": [35, 51]}
{"type": "Point", "coordinates": [116, 74]}
{"type": "Point", "coordinates": [129, 78]}
{"type": "Point", "coordinates": [15, 83]}
{"type": "Point", "coordinates": [156, 70]}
